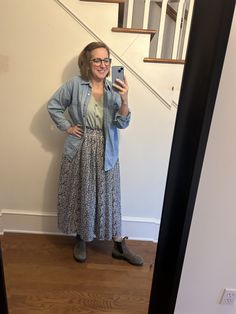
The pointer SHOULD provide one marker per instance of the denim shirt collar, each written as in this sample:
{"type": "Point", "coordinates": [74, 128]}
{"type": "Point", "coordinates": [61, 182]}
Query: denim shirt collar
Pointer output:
{"type": "Point", "coordinates": [107, 86]}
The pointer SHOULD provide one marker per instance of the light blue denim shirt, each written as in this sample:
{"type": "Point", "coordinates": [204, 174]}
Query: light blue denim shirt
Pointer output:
{"type": "Point", "coordinates": [74, 96]}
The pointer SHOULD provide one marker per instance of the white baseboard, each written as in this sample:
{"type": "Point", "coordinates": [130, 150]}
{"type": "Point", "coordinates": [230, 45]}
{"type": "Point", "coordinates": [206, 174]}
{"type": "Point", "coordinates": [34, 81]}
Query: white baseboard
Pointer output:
{"type": "Point", "coordinates": [136, 228]}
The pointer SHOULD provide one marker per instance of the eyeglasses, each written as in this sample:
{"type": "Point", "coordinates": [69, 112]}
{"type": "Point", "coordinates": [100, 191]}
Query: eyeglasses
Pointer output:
{"type": "Point", "coordinates": [98, 61]}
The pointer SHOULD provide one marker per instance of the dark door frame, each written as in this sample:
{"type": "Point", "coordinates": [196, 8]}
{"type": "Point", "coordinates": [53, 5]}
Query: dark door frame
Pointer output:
{"type": "Point", "coordinates": [3, 297]}
{"type": "Point", "coordinates": [209, 34]}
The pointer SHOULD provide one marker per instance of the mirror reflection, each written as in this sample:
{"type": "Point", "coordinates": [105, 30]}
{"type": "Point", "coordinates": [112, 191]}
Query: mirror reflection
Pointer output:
{"type": "Point", "coordinates": [89, 202]}
{"type": "Point", "coordinates": [43, 190]}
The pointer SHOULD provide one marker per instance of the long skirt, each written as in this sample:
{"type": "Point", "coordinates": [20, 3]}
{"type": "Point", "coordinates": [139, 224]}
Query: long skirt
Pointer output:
{"type": "Point", "coordinates": [89, 198]}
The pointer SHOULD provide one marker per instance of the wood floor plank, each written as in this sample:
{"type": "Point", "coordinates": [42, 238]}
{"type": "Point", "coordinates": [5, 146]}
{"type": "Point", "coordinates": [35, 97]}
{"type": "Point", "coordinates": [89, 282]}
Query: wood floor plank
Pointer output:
{"type": "Point", "coordinates": [42, 276]}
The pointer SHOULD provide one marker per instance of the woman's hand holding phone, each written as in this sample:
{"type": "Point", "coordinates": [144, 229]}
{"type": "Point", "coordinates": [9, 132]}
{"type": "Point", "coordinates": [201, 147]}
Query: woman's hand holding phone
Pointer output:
{"type": "Point", "coordinates": [120, 85]}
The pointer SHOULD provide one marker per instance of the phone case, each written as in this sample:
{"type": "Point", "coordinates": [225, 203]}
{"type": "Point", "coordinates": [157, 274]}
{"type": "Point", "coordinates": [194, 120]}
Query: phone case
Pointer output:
{"type": "Point", "coordinates": [117, 73]}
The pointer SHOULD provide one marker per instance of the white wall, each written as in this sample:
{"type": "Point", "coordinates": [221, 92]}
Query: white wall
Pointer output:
{"type": "Point", "coordinates": [39, 47]}
{"type": "Point", "coordinates": [210, 261]}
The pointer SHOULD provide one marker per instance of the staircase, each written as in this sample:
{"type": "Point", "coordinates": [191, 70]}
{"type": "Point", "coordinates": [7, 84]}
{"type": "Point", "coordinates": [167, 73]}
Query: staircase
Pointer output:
{"type": "Point", "coordinates": [131, 44]}
{"type": "Point", "coordinates": [179, 11]}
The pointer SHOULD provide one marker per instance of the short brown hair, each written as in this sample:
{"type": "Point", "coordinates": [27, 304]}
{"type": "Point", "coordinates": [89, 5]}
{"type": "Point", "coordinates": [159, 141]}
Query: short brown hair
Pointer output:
{"type": "Point", "coordinates": [85, 56]}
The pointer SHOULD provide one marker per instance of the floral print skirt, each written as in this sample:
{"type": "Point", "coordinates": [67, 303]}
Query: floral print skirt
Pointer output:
{"type": "Point", "coordinates": [89, 197]}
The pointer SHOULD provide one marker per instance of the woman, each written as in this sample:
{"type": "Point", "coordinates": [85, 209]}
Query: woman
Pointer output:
{"type": "Point", "coordinates": [89, 183]}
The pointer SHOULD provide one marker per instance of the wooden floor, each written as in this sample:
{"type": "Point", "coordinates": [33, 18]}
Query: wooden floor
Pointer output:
{"type": "Point", "coordinates": [41, 276]}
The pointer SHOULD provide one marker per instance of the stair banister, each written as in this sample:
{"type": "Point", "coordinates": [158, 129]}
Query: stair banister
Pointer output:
{"type": "Point", "coordinates": [182, 31]}
{"type": "Point", "coordinates": [161, 28]}
{"type": "Point", "coordinates": [187, 31]}
{"type": "Point", "coordinates": [146, 13]}
{"type": "Point", "coordinates": [130, 13]}
{"type": "Point", "coordinates": [180, 14]}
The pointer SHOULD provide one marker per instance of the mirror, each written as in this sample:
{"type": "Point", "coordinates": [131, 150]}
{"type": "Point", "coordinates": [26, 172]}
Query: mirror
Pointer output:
{"type": "Point", "coordinates": [43, 143]}
{"type": "Point", "coordinates": [37, 73]}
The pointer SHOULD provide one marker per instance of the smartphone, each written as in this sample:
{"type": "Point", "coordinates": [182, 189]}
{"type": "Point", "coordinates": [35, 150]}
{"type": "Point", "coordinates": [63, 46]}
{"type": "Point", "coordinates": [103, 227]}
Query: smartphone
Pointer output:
{"type": "Point", "coordinates": [117, 72]}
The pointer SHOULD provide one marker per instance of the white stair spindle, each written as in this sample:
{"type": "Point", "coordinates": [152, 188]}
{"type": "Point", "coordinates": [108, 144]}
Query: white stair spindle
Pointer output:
{"type": "Point", "coordinates": [180, 15]}
{"type": "Point", "coordinates": [130, 13]}
{"type": "Point", "coordinates": [181, 34]}
{"type": "Point", "coordinates": [186, 38]}
{"type": "Point", "coordinates": [146, 13]}
{"type": "Point", "coordinates": [161, 28]}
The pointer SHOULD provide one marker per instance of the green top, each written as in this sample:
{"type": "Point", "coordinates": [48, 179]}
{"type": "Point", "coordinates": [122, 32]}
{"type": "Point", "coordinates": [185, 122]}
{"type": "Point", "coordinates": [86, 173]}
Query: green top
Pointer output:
{"type": "Point", "coordinates": [95, 113]}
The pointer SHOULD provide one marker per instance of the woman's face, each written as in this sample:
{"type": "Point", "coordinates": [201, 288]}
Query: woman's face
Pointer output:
{"type": "Point", "coordinates": [99, 70]}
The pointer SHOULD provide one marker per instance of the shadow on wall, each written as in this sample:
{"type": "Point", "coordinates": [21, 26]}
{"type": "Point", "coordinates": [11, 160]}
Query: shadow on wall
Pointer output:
{"type": "Point", "coordinates": [51, 140]}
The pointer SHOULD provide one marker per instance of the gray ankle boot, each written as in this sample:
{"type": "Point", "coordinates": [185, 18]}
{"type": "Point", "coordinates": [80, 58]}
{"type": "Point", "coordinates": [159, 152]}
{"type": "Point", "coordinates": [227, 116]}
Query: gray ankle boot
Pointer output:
{"type": "Point", "coordinates": [80, 249]}
{"type": "Point", "coordinates": [121, 251]}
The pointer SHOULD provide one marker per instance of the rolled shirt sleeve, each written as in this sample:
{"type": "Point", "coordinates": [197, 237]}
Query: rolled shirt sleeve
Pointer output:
{"type": "Point", "coordinates": [122, 122]}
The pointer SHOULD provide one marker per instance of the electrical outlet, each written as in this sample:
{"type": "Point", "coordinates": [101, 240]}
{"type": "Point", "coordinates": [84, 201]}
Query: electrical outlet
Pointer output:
{"type": "Point", "coordinates": [228, 297]}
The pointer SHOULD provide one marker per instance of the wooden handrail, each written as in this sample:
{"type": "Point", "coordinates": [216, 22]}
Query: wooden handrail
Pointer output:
{"type": "Point", "coordinates": [171, 12]}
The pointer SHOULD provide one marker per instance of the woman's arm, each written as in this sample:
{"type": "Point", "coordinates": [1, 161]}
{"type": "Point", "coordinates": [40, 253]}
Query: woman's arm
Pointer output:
{"type": "Point", "coordinates": [58, 104]}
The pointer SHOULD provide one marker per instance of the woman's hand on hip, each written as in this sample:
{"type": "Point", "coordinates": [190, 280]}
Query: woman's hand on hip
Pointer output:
{"type": "Point", "coordinates": [75, 130]}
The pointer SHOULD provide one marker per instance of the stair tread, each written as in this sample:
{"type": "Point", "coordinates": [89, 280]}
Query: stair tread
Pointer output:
{"type": "Point", "coordinates": [106, 1]}
{"type": "Point", "coordinates": [134, 30]}
{"type": "Point", "coordinates": [162, 60]}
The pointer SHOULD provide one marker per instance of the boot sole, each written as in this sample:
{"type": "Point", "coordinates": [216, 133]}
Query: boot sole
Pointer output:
{"type": "Point", "coordinates": [126, 259]}
{"type": "Point", "coordinates": [80, 260]}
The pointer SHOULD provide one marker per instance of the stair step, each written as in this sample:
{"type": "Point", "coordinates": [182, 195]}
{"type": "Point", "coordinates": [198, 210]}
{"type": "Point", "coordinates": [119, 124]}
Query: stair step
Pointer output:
{"type": "Point", "coordinates": [106, 1]}
{"type": "Point", "coordinates": [134, 30]}
{"type": "Point", "coordinates": [160, 60]}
